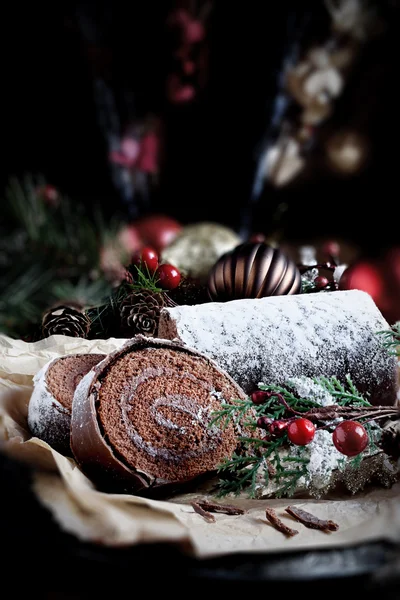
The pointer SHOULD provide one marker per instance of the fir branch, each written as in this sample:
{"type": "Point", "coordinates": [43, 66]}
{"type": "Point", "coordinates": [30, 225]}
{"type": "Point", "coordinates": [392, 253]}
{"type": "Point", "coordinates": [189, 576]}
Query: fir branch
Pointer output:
{"type": "Point", "coordinates": [344, 395]}
{"type": "Point", "coordinates": [21, 298]}
{"type": "Point", "coordinates": [291, 482]}
{"type": "Point", "coordinates": [271, 454]}
{"type": "Point", "coordinates": [85, 292]}
{"type": "Point", "coordinates": [57, 249]}
{"type": "Point", "coordinates": [234, 411]}
{"type": "Point", "coordinates": [277, 406]}
{"type": "Point", "coordinates": [391, 339]}
{"type": "Point", "coordinates": [26, 205]}
{"type": "Point", "coordinates": [143, 278]}
{"type": "Point", "coordinates": [242, 471]}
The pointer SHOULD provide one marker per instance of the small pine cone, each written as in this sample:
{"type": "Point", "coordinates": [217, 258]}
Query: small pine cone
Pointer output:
{"type": "Point", "coordinates": [65, 319]}
{"type": "Point", "coordinates": [140, 312]}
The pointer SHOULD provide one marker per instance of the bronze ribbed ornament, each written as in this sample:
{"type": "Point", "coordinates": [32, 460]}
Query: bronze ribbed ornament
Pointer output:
{"type": "Point", "coordinates": [253, 270]}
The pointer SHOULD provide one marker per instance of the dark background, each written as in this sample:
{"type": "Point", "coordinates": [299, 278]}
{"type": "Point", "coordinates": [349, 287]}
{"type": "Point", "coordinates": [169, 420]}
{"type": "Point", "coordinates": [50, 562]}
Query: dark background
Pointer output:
{"type": "Point", "coordinates": [50, 125]}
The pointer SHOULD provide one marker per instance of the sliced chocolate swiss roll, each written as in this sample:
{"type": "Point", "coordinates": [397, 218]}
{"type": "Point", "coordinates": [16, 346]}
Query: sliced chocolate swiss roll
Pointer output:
{"type": "Point", "coordinates": [141, 420]}
{"type": "Point", "coordinates": [50, 405]}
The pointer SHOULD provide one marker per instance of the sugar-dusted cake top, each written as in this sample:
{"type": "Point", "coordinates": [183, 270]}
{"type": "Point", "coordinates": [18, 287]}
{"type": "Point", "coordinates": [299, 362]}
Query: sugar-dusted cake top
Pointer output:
{"type": "Point", "coordinates": [275, 338]}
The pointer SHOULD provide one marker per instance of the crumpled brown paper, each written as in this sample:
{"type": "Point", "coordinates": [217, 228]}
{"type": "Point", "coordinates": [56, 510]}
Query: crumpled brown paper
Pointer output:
{"type": "Point", "coordinates": [118, 519]}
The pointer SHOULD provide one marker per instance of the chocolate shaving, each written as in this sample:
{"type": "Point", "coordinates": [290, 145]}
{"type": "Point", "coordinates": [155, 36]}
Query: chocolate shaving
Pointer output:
{"type": "Point", "coordinates": [205, 514]}
{"type": "Point", "coordinates": [226, 509]}
{"type": "Point", "coordinates": [278, 524]}
{"type": "Point", "coordinates": [310, 521]}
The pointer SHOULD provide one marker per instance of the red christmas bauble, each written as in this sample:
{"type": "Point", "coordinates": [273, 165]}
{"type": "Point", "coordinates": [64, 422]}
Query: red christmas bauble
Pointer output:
{"type": "Point", "coordinates": [380, 278]}
{"type": "Point", "coordinates": [157, 230]}
{"type": "Point", "coordinates": [301, 431]}
{"type": "Point", "coordinates": [350, 438]}
{"type": "Point", "coordinates": [331, 249]}
{"type": "Point", "coordinates": [169, 276]}
{"type": "Point", "coordinates": [129, 239]}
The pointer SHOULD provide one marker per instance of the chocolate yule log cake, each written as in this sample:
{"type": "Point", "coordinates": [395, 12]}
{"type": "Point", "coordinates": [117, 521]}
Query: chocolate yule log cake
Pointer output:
{"type": "Point", "coordinates": [50, 405]}
{"type": "Point", "coordinates": [141, 419]}
{"type": "Point", "coordinates": [274, 339]}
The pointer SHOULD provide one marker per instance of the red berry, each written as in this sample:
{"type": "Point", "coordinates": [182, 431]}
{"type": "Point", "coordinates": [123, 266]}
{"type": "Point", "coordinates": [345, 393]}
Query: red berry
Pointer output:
{"type": "Point", "coordinates": [168, 276]}
{"type": "Point", "coordinates": [301, 431]}
{"type": "Point", "coordinates": [146, 257]}
{"type": "Point", "coordinates": [278, 427]}
{"type": "Point", "coordinates": [264, 422]}
{"type": "Point", "coordinates": [321, 282]}
{"type": "Point", "coordinates": [259, 397]}
{"type": "Point", "coordinates": [350, 438]}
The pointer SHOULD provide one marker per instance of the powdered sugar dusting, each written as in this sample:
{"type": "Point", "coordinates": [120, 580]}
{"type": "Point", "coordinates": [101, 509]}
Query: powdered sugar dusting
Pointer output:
{"type": "Point", "coordinates": [309, 389]}
{"type": "Point", "coordinates": [279, 338]}
{"type": "Point", "coordinates": [323, 457]}
{"type": "Point", "coordinates": [47, 418]}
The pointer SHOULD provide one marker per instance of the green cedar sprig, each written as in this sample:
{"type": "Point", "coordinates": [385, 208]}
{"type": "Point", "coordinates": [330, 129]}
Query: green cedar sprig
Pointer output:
{"type": "Point", "coordinates": [262, 459]}
{"type": "Point", "coordinates": [391, 338]}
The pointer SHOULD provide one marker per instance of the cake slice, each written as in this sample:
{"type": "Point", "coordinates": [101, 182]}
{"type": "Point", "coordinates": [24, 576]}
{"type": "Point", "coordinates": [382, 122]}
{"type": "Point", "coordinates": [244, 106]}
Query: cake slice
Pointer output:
{"type": "Point", "coordinates": [142, 419]}
{"type": "Point", "coordinates": [50, 405]}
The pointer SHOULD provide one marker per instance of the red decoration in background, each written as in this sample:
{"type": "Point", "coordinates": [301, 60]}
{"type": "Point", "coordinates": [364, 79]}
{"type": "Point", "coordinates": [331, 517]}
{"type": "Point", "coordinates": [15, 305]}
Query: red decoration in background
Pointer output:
{"type": "Point", "coordinates": [189, 67]}
{"type": "Point", "coordinates": [129, 239]}
{"type": "Point", "coordinates": [142, 154]}
{"type": "Point", "coordinates": [149, 151]}
{"type": "Point", "coordinates": [49, 194]}
{"type": "Point", "coordinates": [157, 230]}
{"type": "Point", "coordinates": [380, 278]}
{"type": "Point", "coordinates": [154, 230]}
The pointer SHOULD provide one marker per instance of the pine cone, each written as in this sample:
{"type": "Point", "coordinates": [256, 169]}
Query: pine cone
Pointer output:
{"type": "Point", "coordinates": [65, 319]}
{"type": "Point", "coordinates": [140, 312]}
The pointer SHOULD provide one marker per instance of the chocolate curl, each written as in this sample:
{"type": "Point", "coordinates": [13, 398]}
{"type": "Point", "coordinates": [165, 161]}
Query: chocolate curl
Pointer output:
{"type": "Point", "coordinates": [273, 518]}
{"type": "Point", "coordinates": [204, 513]}
{"type": "Point", "coordinates": [213, 507]}
{"type": "Point", "coordinates": [310, 521]}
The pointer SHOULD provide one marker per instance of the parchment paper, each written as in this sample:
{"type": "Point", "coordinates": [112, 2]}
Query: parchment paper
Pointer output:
{"type": "Point", "coordinates": [116, 520]}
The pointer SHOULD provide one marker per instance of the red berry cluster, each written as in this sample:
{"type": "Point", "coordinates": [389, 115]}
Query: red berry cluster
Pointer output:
{"type": "Point", "coordinates": [349, 437]}
{"type": "Point", "coordinates": [166, 276]}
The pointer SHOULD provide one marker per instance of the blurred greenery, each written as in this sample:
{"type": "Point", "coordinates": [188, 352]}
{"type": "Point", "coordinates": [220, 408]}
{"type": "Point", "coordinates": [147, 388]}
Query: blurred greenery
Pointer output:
{"type": "Point", "coordinates": [50, 251]}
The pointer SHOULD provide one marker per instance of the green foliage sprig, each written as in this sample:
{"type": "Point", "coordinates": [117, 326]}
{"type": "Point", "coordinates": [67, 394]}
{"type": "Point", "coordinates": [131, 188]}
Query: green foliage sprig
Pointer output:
{"type": "Point", "coordinates": [263, 459]}
{"type": "Point", "coordinates": [391, 338]}
{"type": "Point", "coordinates": [50, 252]}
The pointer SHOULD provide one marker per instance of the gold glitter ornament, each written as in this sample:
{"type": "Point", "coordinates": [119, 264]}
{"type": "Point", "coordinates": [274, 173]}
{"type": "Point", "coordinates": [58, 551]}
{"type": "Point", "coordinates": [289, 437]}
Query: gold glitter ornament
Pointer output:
{"type": "Point", "coordinates": [197, 246]}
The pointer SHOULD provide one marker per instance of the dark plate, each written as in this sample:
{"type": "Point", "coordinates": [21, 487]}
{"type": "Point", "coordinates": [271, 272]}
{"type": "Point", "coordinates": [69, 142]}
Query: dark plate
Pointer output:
{"type": "Point", "coordinates": [34, 540]}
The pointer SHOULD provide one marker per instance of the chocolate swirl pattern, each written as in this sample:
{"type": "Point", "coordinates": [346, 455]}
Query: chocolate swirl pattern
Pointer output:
{"type": "Point", "coordinates": [173, 415]}
{"type": "Point", "coordinates": [142, 418]}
